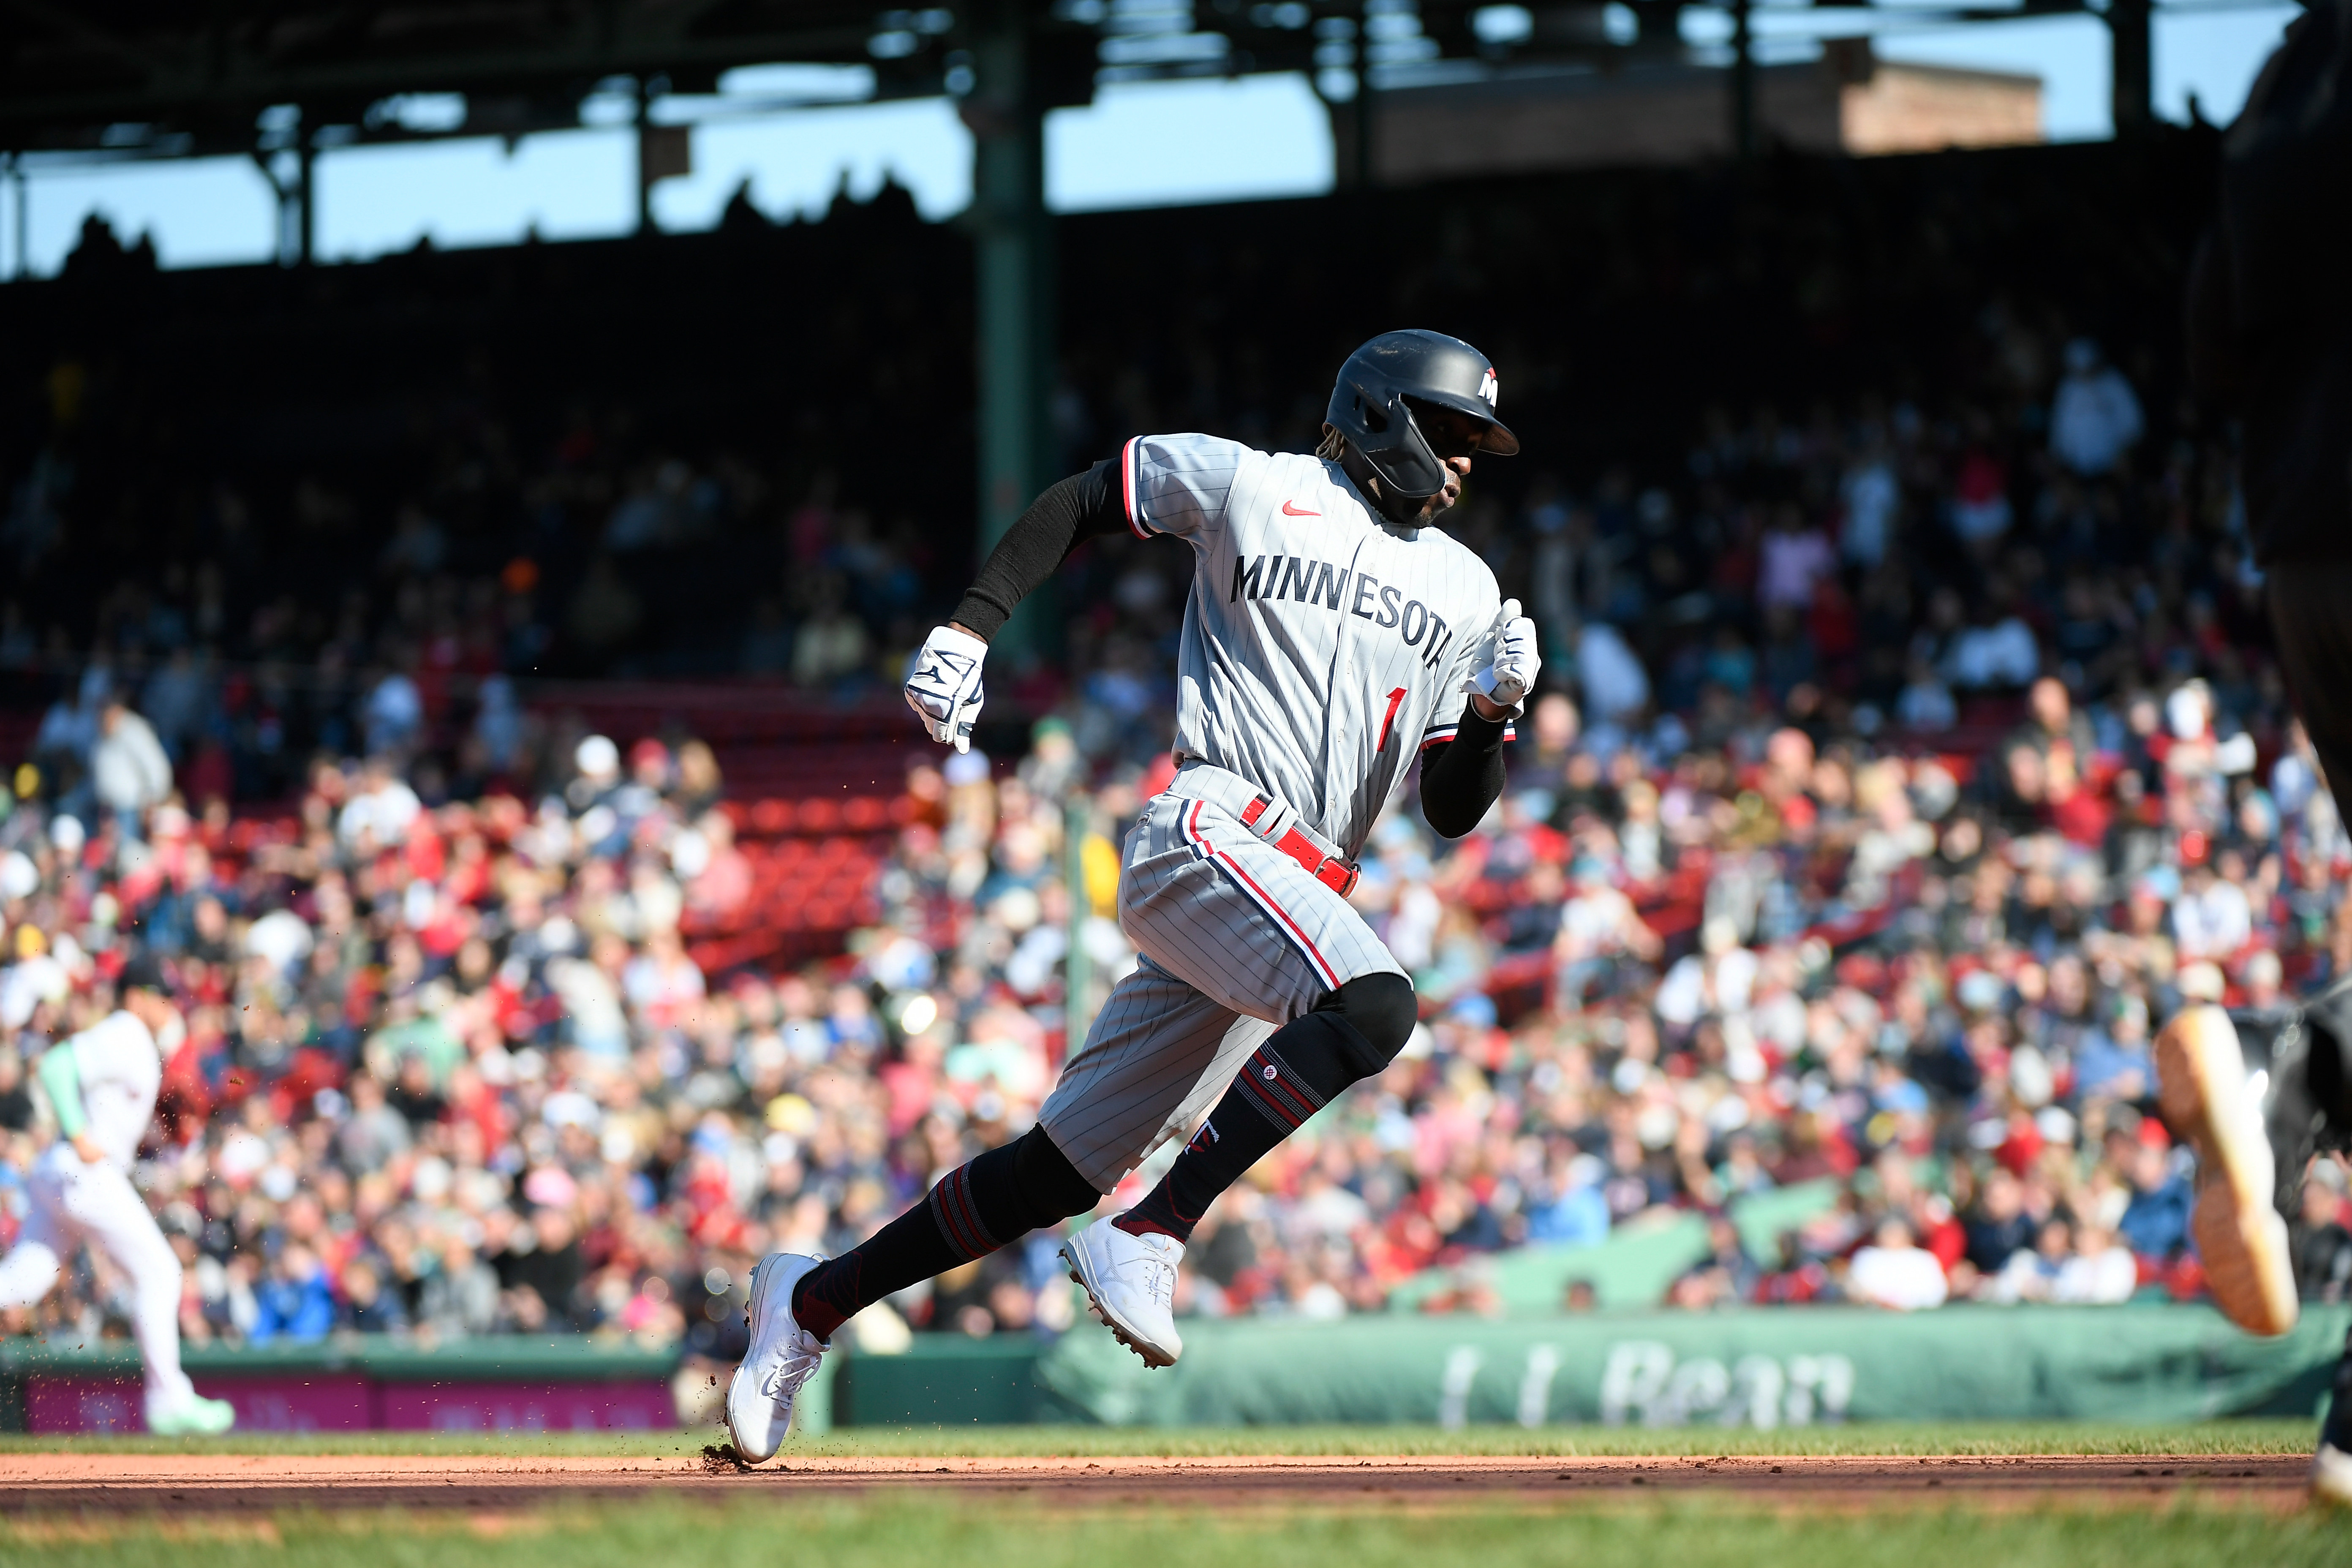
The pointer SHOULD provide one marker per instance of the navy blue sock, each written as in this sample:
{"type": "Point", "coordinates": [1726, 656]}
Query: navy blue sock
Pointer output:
{"type": "Point", "coordinates": [979, 1206]}
{"type": "Point", "coordinates": [1288, 1079]}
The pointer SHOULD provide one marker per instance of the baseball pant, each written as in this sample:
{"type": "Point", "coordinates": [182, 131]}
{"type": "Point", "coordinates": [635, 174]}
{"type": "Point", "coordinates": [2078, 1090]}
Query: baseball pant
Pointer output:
{"type": "Point", "coordinates": [73, 1203]}
{"type": "Point", "coordinates": [1237, 939]}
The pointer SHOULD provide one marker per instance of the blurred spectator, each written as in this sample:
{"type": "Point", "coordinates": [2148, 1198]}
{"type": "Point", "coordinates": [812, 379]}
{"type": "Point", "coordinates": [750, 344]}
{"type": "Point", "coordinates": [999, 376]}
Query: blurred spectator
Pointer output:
{"type": "Point", "coordinates": [395, 714]}
{"type": "Point", "coordinates": [1615, 686]}
{"type": "Point", "coordinates": [2095, 418]}
{"type": "Point", "coordinates": [2156, 1221]}
{"type": "Point", "coordinates": [2326, 1266]}
{"type": "Point", "coordinates": [1894, 1271]}
{"type": "Point", "coordinates": [366, 1306]}
{"type": "Point", "coordinates": [2099, 1273]}
{"type": "Point", "coordinates": [1796, 557]}
{"type": "Point", "coordinates": [293, 1302]}
{"type": "Point", "coordinates": [460, 1295]}
{"type": "Point", "coordinates": [128, 769]}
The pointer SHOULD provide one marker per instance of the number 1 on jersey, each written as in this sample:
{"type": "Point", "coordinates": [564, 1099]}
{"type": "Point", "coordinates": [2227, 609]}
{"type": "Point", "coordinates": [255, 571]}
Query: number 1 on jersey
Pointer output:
{"type": "Point", "coordinates": [1396, 701]}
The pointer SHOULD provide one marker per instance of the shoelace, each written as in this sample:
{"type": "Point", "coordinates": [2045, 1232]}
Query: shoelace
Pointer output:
{"type": "Point", "coordinates": [1158, 1277]}
{"type": "Point", "coordinates": [802, 1354]}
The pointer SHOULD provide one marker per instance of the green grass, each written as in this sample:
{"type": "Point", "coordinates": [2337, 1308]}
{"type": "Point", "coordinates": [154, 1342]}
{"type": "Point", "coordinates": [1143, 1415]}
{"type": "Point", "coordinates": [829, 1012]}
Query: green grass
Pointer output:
{"type": "Point", "coordinates": [2241, 1437]}
{"type": "Point", "coordinates": [758, 1528]}
{"type": "Point", "coordinates": [958, 1533]}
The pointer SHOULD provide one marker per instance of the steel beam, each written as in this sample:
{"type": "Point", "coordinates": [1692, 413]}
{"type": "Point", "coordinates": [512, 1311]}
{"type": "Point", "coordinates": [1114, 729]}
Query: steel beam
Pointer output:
{"type": "Point", "coordinates": [1013, 242]}
{"type": "Point", "coordinates": [2132, 85]}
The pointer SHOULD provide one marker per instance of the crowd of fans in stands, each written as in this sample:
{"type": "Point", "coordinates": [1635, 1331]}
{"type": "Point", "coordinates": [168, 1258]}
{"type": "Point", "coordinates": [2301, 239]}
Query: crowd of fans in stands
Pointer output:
{"type": "Point", "coordinates": [1949, 767]}
{"type": "Point", "coordinates": [1903, 763]}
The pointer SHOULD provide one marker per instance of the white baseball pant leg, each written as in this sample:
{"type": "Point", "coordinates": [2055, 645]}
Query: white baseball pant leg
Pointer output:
{"type": "Point", "coordinates": [73, 1201]}
{"type": "Point", "coordinates": [1237, 940]}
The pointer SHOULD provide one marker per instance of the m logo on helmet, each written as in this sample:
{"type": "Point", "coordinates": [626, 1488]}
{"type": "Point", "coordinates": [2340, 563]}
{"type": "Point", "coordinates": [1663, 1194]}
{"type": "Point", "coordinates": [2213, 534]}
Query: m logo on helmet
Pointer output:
{"type": "Point", "coordinates": [1488, 389]}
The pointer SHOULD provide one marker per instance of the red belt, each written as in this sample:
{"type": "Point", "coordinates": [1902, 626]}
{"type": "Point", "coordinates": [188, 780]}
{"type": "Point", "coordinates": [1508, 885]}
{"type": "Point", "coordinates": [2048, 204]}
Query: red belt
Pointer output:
{"type": "Point", "coordinates": [1334, 873]}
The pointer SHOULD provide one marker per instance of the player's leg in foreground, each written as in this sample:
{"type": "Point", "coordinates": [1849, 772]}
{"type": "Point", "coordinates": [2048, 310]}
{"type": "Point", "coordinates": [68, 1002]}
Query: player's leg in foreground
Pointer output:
{"type": "Point", "coordinates": [32, 1265]}
{"type": "Point", "coordinates": [2293, 1096]}
{"type": "Point", "coordinates": [73, 1201]}
{"type": "Point", "coordinates": [112, 1213]}
{"type": "Point", "coordinates": [2256, 1115]}
{"type": "Point", "coordinates": [1127, 1266]}
{"type": "Point", "coordinates": [2210, 1100]}
{"type": "Point", "coordinates": [2331, 1467]}
{"type": "Point", "coordinates": [1154, 1039]}
{"type": "Point", "coordinates": [2254, 1098]}
{"type": "Point", "coordinates": [1158, 1055]}
{"type": "Point", "coordinates": [797, 1302]}
{"type": "Point", "coordinates": [1248, 928]}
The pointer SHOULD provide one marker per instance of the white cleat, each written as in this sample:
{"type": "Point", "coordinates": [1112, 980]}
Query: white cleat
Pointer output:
{"type": "Point", "coordinates": [782, 1357]}
{"type": "Point", "coordinates": [195, 1417]}
{"type": "Point", "coordinates": [2331, 1475]}
{"type": "Point", "coordinates": [2200, 1077]}
{"type": "Point", "coordinates": [1130, 1284]}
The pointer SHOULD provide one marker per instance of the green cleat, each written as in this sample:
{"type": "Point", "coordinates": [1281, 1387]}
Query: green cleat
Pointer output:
{"type": "Point", "coordinates": [195, 1417]}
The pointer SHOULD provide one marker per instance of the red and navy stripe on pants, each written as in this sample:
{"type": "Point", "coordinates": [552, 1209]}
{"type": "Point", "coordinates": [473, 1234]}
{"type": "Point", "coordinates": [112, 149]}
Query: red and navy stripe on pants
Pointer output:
{"type": "Point", "coordinates": [1189, 823]}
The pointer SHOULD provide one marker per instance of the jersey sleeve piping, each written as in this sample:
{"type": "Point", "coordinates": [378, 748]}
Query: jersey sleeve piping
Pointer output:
{"type": "Point", "coordinates": [1128, 459]}
{"type": "Point", "coordinates": [1439, 734]}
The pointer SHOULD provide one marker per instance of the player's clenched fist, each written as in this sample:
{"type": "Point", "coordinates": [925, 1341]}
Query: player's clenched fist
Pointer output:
{"type": "Point", "coordinates": [1510, 675]}
{"type": "Point", "coordinates": [944, 690]}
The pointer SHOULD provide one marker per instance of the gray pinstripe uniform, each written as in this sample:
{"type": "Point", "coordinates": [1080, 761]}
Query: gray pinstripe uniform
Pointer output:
{"type": "Point", "coordinates": [1323, 648]}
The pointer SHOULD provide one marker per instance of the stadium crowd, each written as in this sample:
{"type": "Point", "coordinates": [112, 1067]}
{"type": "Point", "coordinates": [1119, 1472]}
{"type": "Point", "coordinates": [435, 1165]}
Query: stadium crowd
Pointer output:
{"type": "Point", "coordinates": [1870, 876]}
{"type": "Point", "coordinates": [1907, 758]}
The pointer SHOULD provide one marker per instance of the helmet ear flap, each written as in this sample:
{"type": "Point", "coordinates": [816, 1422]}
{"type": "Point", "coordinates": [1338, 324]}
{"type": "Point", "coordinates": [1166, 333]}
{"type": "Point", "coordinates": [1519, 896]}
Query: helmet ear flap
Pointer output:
{"type": "Point", "coordinates": [1406, 463]}
{"type": "Point", "coordinates": [1377, 419]}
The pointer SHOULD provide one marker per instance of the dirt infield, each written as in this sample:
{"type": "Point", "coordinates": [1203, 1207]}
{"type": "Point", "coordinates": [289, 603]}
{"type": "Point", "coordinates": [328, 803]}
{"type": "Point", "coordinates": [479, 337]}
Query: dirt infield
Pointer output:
{"type": "Point", "coordinates": [182, 1483]}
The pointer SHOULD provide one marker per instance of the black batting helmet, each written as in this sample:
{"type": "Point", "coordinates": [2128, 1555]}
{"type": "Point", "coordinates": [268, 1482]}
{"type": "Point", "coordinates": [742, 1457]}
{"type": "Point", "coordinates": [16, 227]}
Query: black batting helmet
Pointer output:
{"type": "Point", "coordinates": [140, 971]}
{"type": "Point", "coordinates": [1372, 404]}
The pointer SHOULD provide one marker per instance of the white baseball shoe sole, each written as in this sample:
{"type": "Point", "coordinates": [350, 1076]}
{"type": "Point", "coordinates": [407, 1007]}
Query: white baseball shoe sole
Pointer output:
{"type": "Point", "coordinates": [782, 1357]}
{"type": "Point", "coordinates": [2201, 1077]}
{"type": "Point", "coordinates": [1131, 1286]}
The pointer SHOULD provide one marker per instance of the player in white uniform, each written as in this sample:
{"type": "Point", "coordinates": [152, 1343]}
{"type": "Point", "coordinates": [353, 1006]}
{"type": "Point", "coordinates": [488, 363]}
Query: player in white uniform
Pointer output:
{"type": "Point", "coordinates": [102, 1085]}
{"type": "Point", "coordinates": [1332, 635]}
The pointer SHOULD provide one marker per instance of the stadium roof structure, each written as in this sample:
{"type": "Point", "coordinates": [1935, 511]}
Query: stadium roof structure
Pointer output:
{"type": "Point", "coordinates": [120, 79]}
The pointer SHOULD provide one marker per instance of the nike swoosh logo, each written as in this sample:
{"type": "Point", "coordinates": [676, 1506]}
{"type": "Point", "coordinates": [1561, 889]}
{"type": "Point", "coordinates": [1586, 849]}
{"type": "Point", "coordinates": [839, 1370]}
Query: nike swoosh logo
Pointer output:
{"type": "Point", "coordinates": [1290, 510]}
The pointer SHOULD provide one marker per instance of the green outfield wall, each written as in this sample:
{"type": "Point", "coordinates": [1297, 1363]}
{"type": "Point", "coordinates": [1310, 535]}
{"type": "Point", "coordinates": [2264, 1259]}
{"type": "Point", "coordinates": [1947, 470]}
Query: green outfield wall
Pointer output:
{"type": "Point", "coordinates": [1755, 1367]}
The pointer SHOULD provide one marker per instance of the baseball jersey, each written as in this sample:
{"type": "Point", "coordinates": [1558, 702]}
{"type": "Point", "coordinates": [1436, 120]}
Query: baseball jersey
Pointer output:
{"type": "Point", "coordinates": [120, 1071]}
{"type": "Point", "coordinates": [1323, 645]}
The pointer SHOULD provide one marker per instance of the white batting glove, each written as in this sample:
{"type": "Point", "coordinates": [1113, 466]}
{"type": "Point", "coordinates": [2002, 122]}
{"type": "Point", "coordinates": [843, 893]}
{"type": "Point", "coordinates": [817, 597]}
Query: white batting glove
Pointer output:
{"type": "Point", "coordinates": [1513, 662]}
{"type": "Point", "coordinates": [944, 690]}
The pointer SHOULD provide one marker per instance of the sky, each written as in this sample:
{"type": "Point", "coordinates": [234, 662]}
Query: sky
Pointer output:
{"type": "Point", "coordinates": [1137, 145]}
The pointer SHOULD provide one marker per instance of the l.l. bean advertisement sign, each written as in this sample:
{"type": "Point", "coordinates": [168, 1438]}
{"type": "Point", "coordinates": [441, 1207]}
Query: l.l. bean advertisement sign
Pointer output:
{"type": "Point", "coordinates": [1758, 1367]}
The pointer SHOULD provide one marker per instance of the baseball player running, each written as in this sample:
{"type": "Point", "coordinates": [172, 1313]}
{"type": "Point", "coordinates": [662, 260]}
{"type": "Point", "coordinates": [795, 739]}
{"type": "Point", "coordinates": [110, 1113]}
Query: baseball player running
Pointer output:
{"type": "Point", "coordinates": [1332, 635]}
{"type": "Point", "coordinates": [102, 1085]}
{"type": "Point", "coordinates": [2271, 342]}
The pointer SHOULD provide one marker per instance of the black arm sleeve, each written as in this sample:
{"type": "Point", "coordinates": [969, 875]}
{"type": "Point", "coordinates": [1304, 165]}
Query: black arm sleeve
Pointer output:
{"type": "Point", "coordinates": [1070, 511]}
{"type": "Point", "coordinates": [1462, 777]}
